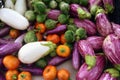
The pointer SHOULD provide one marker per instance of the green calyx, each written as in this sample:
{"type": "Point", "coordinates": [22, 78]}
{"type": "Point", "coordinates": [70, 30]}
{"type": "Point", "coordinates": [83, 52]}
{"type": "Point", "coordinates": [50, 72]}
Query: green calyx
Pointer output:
{"type": "Point", "coordinates": [109, 8]}
{"type": "Point", "coordinates": [90, 61]}
{"type": "Point", "coordinates": [94, 9]}
{"type": "Point", "coordinates": [117, 66]}
{"type": "Point", "coordinates": [14, 77]}
{"type": "Point", "coordinates": [100, 11]}
{"type": "Point", "coordinates": [114, 73]}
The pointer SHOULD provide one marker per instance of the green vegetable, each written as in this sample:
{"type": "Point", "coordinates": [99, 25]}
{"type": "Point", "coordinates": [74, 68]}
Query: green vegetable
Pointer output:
{"type": "Point", "coordinates": [80, 34]}
{"type": "Point", "coordinates": [63, 18]}
{"type": "Point", "coordinates": [53, 4]}
{"type": "Point", "coordinates": [72, 27]}
{"type": "Point", "coordinates": [59, 0]}
{"type": "Point", "coordinates": [50, 24]}
{"type": "Point", "coordinates": [41, 63]}
{"type": "Point", "coordinates": [94, 9]}
{"type": "Point", "coordinates": [30, 15]}
{"type": "Point", "coordinates": [70, 45]}
{"type": "Point", "coordinates": [69, 36]}
{"type": "Point", "coordinates": [75, 1]}
{"type": "Point", "coordinates": [46, 1]}
{"type": "Point", "coordinates": [67, 1]}
{"type": "Point", "coordinates": [30, 37]}
{"type": "Point", "coordinates": [84, 2]}
{"type": "Point", "coordinates": [64, 7]}
{"type": "Point", "coordinates": [71, 21]}
{"type": "Point", "coordinates": [53, 54]}
{"type": "Point", "coordinates": [41, 17]}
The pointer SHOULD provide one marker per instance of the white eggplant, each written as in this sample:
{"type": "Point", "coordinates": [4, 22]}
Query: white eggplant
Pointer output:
{"type": "Point", "coordinates": [9, 4]}
{"type": "Point", "coordinates": [20, 6]}
{"type": "Point", "coordinates": [33, 51]}
{"type": "Point", "coordinates": [13, 19]}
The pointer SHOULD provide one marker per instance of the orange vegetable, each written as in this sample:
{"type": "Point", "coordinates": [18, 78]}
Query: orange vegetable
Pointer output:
{"type": "Point", "coordinates": [54, 38]}
{"type": "Point", "coordinates": [63, 74]}
{"type": "Point", "coordinates": [25, 76]}
{"type": "Point", "coordinates": [62, 39]}
{"type": "Point", "coordinates": [40, 27]}
{"type": "Point", "coordinates": [63, 50]}
{"type": "Point", "coordinates": [39, 36]}
{"type": "Point", "coordinates": [11, 62]}
{"type": "Point", "coordinates": [50, 73]}
{"type": "Point", "coordinates": [11, 75]}
{"type": "Point", "coordinates": [14, 33]}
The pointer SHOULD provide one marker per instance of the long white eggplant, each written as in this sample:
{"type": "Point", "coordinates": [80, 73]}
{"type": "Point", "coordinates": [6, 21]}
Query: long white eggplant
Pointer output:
{"type": "Point", "coordinates": [33, 51]}
{"type": "Point", "coordinates": [9, 4]}
{"type": "Point", "coordinates": [13, 19]}
{"type": "Point", "coordinates": [20, 6]}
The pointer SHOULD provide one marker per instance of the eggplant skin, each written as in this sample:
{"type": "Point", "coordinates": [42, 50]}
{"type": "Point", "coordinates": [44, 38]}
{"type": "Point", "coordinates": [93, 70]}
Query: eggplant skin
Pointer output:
{"type": "Point", "coordinates": [107, 76]}
{"type": "Point", "coordinates": [111, 48]}
{"type": "Point", "coordinates": [104, 27]}
{"type": "Point", "coordinates": [116, 29]}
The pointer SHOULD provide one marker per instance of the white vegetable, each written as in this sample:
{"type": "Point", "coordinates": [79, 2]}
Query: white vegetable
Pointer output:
{"type": "Point", "coordinates": [20, 6]}
{"type": "Point", "coordinates": [13, 19]}
{"type": "Point", "coordinates": [33, 51]}
{"type": "Point", "coordinates": [9, 4]}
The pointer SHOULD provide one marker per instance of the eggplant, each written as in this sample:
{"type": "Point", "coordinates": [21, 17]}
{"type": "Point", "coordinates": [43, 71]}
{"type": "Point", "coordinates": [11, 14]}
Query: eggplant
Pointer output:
{"type": "Point", "coordinates": [5, 41]}
{"type": "Point", "coordinates": [10, 48]}
{"type": "Point", "coordinates": [76, 59]}
{"type": "Point", "coordinates": [104, 27]}
{"type": "Point", "coordinates": [111, 48]}
{"type": "Point", "coordinates": [96, 42]}
{"type": "Point", "coordinates": [53, 14]}
{"type": "Point", "coordinates": [91, 74]}
{"type": "Point", "coordinates": [88, 25]}
{"type": "Point", "coordinates": [1, 63]}
{"type": "Point", "coordinates": [58, 60]}
{"type": "Point", "coordinates": [4, 31]}
{"type": "Point", "coordinates": [116, 29]}
{"type": "Point", "coordinates": [32, 70]}
{"type": "Point", "coordinates": [2, 77]}
{"type": "Point", "coordinates": [110, 74]}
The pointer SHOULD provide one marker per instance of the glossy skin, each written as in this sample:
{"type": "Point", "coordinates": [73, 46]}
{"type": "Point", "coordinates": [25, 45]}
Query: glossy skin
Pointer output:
{"type": "Point", "coordinates": [107, 76]}
{"type": "Point", "coordinates": [116, 29]}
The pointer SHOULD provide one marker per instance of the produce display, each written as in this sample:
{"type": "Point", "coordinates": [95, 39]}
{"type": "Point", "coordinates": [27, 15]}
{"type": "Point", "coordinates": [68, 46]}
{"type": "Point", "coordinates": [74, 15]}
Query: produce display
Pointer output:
{"type": "Point", "coordinates": [36, 36]}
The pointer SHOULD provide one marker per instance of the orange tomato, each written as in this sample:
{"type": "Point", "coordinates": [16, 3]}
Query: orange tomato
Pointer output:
{"type": "Point", "coordinates": [63, 74]}
{"type": "Point", "coordinates": [14, 33]}
{"type": "Point", "coordinates": [11, 62]}
{"type": "Point", "coordinates": [63, 50]}
{"type": "Point", "coordinates": [54, 38]}
{"type": "Point", "coordinates": [11, 75]}
{"type": "Point", "coordinates": [40, 27]}
{"type": "Point", "coordinates": [25, 76]}
{"type": "Point", "coordinates": [39, 36]}
{"type": "Point", "coordinates": [62, 39]}
{"type": "Point", "coordinates": [50, 73]}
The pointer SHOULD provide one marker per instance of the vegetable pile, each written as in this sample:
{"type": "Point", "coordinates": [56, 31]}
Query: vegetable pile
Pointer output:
{"type": "Point", "coordinates": [38, 35]}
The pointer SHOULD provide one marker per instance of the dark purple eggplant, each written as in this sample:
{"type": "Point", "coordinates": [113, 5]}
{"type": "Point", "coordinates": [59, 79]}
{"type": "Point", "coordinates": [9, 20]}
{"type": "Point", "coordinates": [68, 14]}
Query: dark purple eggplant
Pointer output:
{"type": "Point", "coordinates": [94, 73]}
{"type": "Point", "coordinates": [57, 30]}
{"type": "Point", "coordinates": [76, 59]}
{"type": "Point", "coordinates": [1, 63]}
{"type": "Point", "coordinates": [88, 25]}
{"type": "Point", "coordinates": [10, 48]}
{"type": "Point", "coordinates": [116, 29]}
{"type": "Point", "coordinates": [58, 60]}
{"type": "Point", "coordinates": [53, 14]}
{"type": "Point", "coordinates": [96, 42]}
{"type": "Point", "coordinates": [110, 74]}
{"type": "Point", "coordinates": [32, 70]}
{"type": "Point", "coordinates": [111, 48]}
{"type": "Point", "coordinates": [4, 31]}
{"type": "Point", "coordinates": [104, 27]}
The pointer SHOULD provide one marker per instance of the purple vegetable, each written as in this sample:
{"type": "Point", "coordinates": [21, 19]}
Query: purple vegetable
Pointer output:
{"type": "Point", "coordinates": [5, 41]}
{"type": "Point", "coordinates": [111, 48]}
{"type": "Point", "coordinates": [103, 25]}
{"type": "Point", "coordinates": [2, 77]}
{"type": "Point", "coordinates": [108, 5]}
{"type": "Point", "coordinates": [58, 60]}
{"type": "Point", "coordinates": [94, 2]}
{"type": "Point", "coordinates": [53, 14]}
{"type": "Point", "coordinates": [4, 31]}
{"type": "Point", "coordinates": [116, 29]}
{"type": "Point", "coordinates": [1, 63]}
{"type": "Point", "coordinates": [20, 39]}
{"type": "Point", "coordinates": [110, 74]}
{"type": "Point", "coordinates": [10, 48]}
{"type": "Point", "coordinates": [76, 59]}
{"type": "Point", "coordinates": [91, 74]}
{"type": "Point", "coordinates": [57, 30]}
{"type": "Point", "coordinates": [85, 48]}
{"type": "Point", "coordinates": [88, 25]}
{"type": "Point", "coordinates": [32, 70]}
{"type": "Point", "coordinates": [96, 42]}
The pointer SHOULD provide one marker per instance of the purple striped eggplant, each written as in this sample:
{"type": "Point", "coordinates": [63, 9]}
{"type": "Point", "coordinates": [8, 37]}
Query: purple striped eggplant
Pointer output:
{"type": "Point", "coordinates": [108, 5]}
{"type": "Point", "coordinates": [96, 42]}
{"type": "Point", "coordinates": [4, 31]}
{"type": "Point", "coordinates": [116, 29]}
{"type": "Point", "coordinates": [111, 48]}
{"type": "Point", "coordinates": [88, 25]}
{"type": "Point", "coordinates": [53, 14]}
{"type": "Point", "coordinates": [94, 73]}
{"type": "Point", "coordinates": [104, 27]}
{"type": "Point", "coordinates": [76, 59]}
{"type": "Point", "coordinates": [110, 74]}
